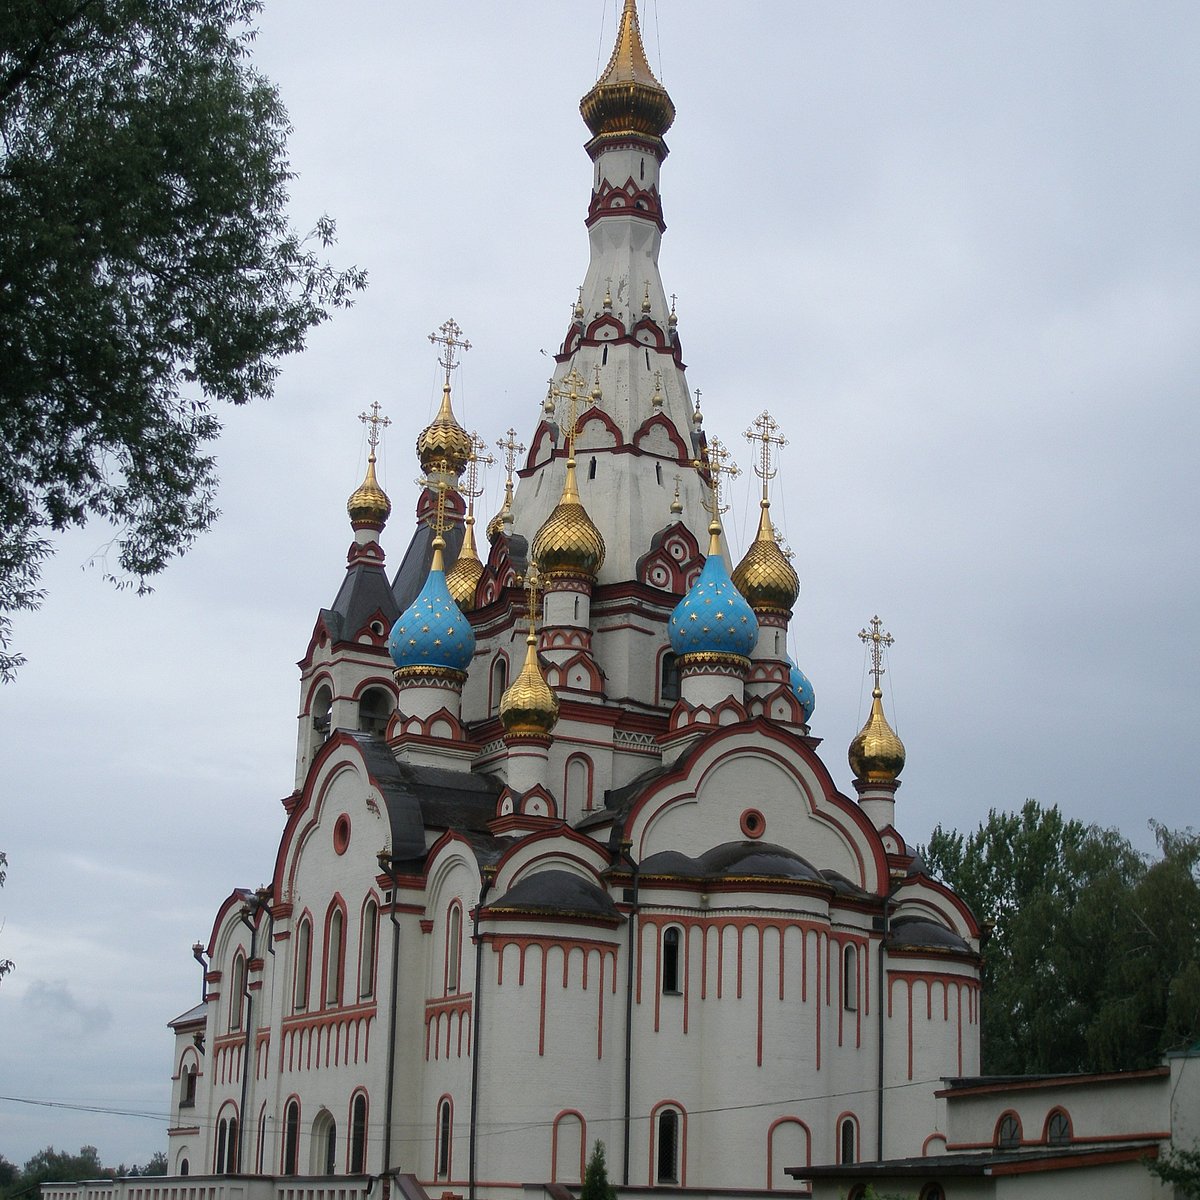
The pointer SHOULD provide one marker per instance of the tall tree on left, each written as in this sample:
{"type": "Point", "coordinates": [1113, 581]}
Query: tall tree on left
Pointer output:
{"type": "Point", "coordinates": [148, 271]}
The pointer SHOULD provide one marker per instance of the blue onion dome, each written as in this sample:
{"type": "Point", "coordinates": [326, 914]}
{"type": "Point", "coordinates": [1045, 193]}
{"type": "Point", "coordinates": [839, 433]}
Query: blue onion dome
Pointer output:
{"type": "Point", "coordinates": [713, 617]}
{"type": "Point", "coordinates": [432, 631]}
{"type": "Point", "coordinates": [803, 690]}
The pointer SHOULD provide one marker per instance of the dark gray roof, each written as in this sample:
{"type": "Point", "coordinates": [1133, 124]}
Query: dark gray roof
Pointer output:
{"type": "Point", "coordinates": [559, 893]}
{"type": "Point", "coordinates": [983, 1162]}
{"type": "Point", "coordinates": [364, 592]}
{"type": "Point", "coordinates": [193, 1016]}
{"type": "Point", "coordinates": [421, 797]}
{"type": "Point", "coordinates": [414, 566]}
{"type": "Point", "coordinates": [733, 860]}
{"type": "Point", "coordinates": [921, 934]}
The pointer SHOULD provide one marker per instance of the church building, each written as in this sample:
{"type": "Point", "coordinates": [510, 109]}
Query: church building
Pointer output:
{"type": "Point", "coordinates": [562, 863]}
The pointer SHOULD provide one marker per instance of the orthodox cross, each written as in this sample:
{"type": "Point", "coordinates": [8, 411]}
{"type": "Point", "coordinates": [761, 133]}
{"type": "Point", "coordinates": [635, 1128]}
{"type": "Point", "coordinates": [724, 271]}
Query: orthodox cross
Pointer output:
{"type": "Point", "coordinates": [376, 423]}
{"type": "Point", "coordinates": [472, 490]}
{"type": "Point", "coordinates": [449, 335]}
{"type": "Point", "coordinates": [579, 302]}
{"type": "Point", "coordinates": [877, 641]}
{"type": "Point", "coordinates": [765, 431]}
{"type": "Point", "coordinates": [571, 390]}
{"type": "Point", "coordinates": [696, 393]}
{"type": "Point", "coordinates": [719, 462]}
{"type": "Point", "coordinates": [597, 391]}
{"type": "Point", "coordinates": [657, 398]}
{"type": "Point", "coordinates": [439, 520]}
{"type": "Point", "coordinates": [532, 583]}
{"type": "Point", "coordinates": [677, 504]}
{"type": "Point", "coordinates": [511, 448]}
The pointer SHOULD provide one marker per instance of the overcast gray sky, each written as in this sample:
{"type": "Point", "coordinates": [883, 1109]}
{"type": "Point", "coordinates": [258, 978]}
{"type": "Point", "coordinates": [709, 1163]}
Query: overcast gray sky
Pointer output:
{"type": "Point", "coordinates": [952, 247]}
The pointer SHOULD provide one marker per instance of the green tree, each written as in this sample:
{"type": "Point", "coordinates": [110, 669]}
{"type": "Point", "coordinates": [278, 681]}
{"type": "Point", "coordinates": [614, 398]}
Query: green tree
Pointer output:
{"type": "Point", "coordinates": [148, 269]}
{"type": "Point", "coordinates": [595, 1177]}
{"type": "Point", "coordinates": [1180, 1168]}
{"type": "Point", "coordinates": [1093, 956]}
{"type": "Point", "coordinates": [58, 1166]}
{"type": "Point", "coordinates": [6, 964]}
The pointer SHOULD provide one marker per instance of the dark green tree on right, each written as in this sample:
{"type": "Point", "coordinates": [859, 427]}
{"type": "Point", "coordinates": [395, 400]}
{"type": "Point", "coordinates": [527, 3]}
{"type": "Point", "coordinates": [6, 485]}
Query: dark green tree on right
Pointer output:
{"type": "Point", "coordinates": [1093, 963]}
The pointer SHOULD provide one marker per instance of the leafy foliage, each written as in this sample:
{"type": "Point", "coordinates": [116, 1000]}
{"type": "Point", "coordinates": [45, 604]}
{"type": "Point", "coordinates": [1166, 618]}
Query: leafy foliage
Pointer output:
{"type": "Point", "coordinates": [595, 1177]}
{"type": "Point", "coordinates": [1094, 959]}
{"type": "Point", "coordinates": [147, 269]}
{"type": "Point", "coordinates": [6, 964]}
{"type": "Point", "coordinates": [60, 1166]}
{"type": "Point", "coordinates": [1180, 1168]}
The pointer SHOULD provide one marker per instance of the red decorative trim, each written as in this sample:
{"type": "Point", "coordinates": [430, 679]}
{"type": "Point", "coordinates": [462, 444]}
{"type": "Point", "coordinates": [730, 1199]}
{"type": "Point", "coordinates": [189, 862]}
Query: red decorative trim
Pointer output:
{"type": "Point", "coordinates": [592, 416]}
{"type": "Point", "coordinates": [753, 823]}
{"type": "Point", "coordinates": [661, 421]}
{"type": "Point", "coordinates": [625, 200]}
{"type": "Point", "coordinates": [780, 1121]}
{"type": "Point", "coordinates": [568, 1112]}
{"type": "Point", "coordinates": [341, 834]}
{"type": "Point", "coordinates": [593, 332]}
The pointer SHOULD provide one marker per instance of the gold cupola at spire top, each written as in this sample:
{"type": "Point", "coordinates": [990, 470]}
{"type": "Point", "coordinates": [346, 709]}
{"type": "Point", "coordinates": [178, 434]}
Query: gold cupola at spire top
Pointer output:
{"type": "Point", "coordinates": [463, 578]}
{"type": "Point", "coordinates": [764, 576]}
{"type": "Point", "coordinates": [369, 506]}
{"type": "Point", "coordinates": [568, 545]}
{"type": "Point", "coordinates": [444, 446]}
{"type": "Point", "coordinates": [876, 754]}
{"type": "Point", "coordinates": [627, 99]}
{"type": "Point", "coordinates": [529, 707]}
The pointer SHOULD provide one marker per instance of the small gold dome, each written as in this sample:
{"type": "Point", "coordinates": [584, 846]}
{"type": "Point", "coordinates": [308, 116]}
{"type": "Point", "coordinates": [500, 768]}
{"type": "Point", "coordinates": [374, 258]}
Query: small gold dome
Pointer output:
{"type": "Point", "coordinates": [876, 754]}
{"type": "Point", "coordinates": [627, 99]}
{"type": "Point", "coordinates": [764, 576]}
{"type": "Point", "coordinates": [568, 543]}
{"type": "Point", "coordinates": [444, 446]}
{"type": "Point", "coordinates": [495, 527]}
{"type": "Point", "coordinates": [369, 506]}
{"type": "Point", "coordinates": [463, 578]}
{"type": "Point", "coordinates": [529, 707]}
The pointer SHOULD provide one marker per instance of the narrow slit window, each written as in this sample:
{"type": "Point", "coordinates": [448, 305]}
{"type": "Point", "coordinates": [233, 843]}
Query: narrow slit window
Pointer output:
{"type": "Point", "coordinates": [670, 960]}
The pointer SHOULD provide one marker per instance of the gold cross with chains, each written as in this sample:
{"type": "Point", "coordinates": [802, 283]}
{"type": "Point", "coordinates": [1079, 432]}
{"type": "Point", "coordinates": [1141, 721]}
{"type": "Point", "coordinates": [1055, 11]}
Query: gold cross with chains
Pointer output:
{"type": "Point", "coordinates": [877, 641]}
{"type": "Point", "coordinates": [474, 459]}
{"type": "Point", "coordinates": [718, 461]}
{"type": "Point", "coordinates": [532, 583]}
{"type": "Point", "coordinates": [571, 390]}
{"type": "Point", "coordinates": [511, 448]}
{"type": "Point", "coordinates": [450, 336]}
{"type": "Point", "coordinates": [765, 431]}
{"type": "Point", "coordinates": [376, 423]}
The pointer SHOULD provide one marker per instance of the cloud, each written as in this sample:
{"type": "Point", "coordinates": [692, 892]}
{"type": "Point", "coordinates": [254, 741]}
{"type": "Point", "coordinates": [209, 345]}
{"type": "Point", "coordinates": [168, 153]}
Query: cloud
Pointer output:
{"type": "Point", "coordinates": [55, 1007]}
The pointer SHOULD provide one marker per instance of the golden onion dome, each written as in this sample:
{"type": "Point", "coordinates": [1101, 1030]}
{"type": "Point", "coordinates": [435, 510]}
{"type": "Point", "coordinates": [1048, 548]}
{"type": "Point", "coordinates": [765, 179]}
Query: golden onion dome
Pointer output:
{"type": "Point", "coordinates": [876, 754]}
{"type": "Point", "coordinates": [444, 446]}
{"type": "Point", "coordinates": [463, 578]}
{"type": "Point", "coordinates": [627, 99]}
{"type": "Point", "coordinates": [369, 506]}
{"type": "Point", "coordinates": [568, 543]}
{"type": "Point", "coordinates": [529, 707]}
{"type": "Point", "coordinates": [495, 527]}
{"type": "Point", "coordinates": [764, 576]}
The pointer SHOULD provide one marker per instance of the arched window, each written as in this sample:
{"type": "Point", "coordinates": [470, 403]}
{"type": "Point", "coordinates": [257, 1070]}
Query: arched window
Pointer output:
{"type": "Point", "coordinates": [668, 683]}
{"type": "Point", "coordinates": [237, 992]}
{"type": "Point", "coordinates": [291, 1137]}
{"type": "Point", "coordinates": [445, 1125]}
{"type": "Point", "coordinates": [366, 951]}
{"type": "Point", "coordinates": [324, 1144]}
{"type": "Point", "coordinates": [499, 682]}
{"type": "Point", "coordinates": [185, 1167]}
{"type": "Point", "coordinates": [261, 1149]}
{"type": "Point", "coordinates": [850, 977]}
{"type": "Point", "coordinates": [578, 791]}
{"type": "Point", "coordinates": [932, 1191]}
{"type": "Point", "coordinates": [322, 712]}
{"type": "Point", "coordinates": [667, 1148]}
{"type": "Point", "coordinates": [374, 710]}
{"type": "Point", "coordinates": [225, 1159]}
{"type": "Point", "coordinates": [453, 947]}
{"type": "Point", "coordinates": [1008, 1131]}
{"type": "Point", "coordinates": [1058, 1127]}
{"type": "Point", "coordinates": [848, 1141]}
{"type": "Point", "coordinates": [670, 960]}
{"type": "Point", "coordinates": [187, 1089]}
{"type": "Point", "coordinates": [303, 963]}
{"type": "Point", "coordinates": [358, 1134]}
{"type": "Point", "coordinates": [334, 929]}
